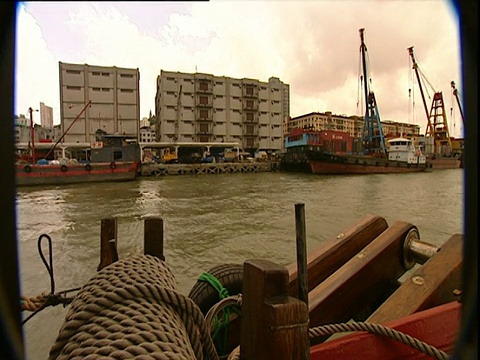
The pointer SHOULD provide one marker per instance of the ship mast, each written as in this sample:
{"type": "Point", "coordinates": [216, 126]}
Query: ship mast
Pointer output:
{"type": "Point", "coordinates": [373, 140]}
{"type": "Point", "coordinates": [32, 135]}
{"type": "Point", "coordinates": [68, 129]}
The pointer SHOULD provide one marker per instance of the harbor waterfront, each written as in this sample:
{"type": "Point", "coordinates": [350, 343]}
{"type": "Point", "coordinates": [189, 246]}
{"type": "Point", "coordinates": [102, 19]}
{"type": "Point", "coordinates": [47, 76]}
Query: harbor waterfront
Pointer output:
{"type": "Point", "coordinates": [212, 220]}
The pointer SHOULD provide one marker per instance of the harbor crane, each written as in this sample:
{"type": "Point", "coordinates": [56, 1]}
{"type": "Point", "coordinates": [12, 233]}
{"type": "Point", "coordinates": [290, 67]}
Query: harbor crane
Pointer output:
{"type": "Point", "coordinates": [373, 139]}
{"type": "Point", "coordinates": [437, 126]}
{"type": "Point", "coordinates": [455, 93]}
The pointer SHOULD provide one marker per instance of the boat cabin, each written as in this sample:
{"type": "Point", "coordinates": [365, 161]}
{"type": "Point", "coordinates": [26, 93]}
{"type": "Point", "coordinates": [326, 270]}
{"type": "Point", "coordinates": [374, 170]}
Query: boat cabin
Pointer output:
{"type": "Point", "coordinates": [115, 148]}
{"type": "Point", "coordinates": [404, 150]}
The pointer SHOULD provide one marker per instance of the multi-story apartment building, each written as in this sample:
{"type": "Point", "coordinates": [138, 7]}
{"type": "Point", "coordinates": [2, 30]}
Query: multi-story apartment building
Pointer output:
{"type": "Point", "coordinates": [115, 101]}
{"type": "Point", "coordinates": [46, 116]}
{"type": "Point", "coordinates": [351, 124]}
{"type": "Point", "coordinates": [206, 108]}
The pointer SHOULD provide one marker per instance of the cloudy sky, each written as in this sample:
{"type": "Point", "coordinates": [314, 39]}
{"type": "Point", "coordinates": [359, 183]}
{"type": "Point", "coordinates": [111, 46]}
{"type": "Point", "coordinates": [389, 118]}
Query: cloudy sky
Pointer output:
{"type": "Point", "coordinates": [312, 45]}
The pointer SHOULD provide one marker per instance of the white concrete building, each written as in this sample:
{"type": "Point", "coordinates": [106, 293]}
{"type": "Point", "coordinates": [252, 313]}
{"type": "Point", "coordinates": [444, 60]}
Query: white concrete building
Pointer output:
{"type": "Point", "coordinates": [207, 108]}
{"type": "Point", "coordinates": [115, 101]}
{"type": "Point", "coordinates": [46, 116]}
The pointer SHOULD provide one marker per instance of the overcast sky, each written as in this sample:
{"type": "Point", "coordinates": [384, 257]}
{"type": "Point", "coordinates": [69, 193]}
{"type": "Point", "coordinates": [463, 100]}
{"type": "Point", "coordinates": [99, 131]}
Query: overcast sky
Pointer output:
{"type": "Point", "coordinates": [312, 45]}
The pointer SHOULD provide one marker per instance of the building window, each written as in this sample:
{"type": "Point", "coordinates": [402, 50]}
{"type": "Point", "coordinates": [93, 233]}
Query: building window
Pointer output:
{"type": "Point", "coordinates": [203, 114]}
{"type": "Point", "coordinates": [105, 89]}
{"type": "Point", "coordinates": [95, 73]}
{"type": "Point", "coordinates": [203, 100]}
{"type": "Point", "coordinates": [105, 74]}
{"type": "Point", "coordinates": [117, 155]}
{"type": "Point", "coordinates": [126, 90]}
{"type": "Point", "coordinates": [249, 90]}
{"type": "Point", "coordinates": [249, 116]}
{"type": "Point", "coordinates": [203, 128]}
{"type": "Point", "coordinates": [74, 88]}
{"type": "Point", "coordinates": [96, 89]}
{"type": "Point", "coordinates": [73, 72]}
{"type": "Point", "coordinates": [250, 142]}
{"type": "Point", "coordinates": [203, 85]}
{"type": "Point", "coordinates": [249, 104]}
{"type": "Point", "coordinates": [126, 75]}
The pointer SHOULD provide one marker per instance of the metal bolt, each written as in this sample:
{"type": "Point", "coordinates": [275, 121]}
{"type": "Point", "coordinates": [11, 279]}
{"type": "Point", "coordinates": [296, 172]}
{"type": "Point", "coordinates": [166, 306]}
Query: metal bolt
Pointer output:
{"type": "Point", "coordinates": [416, 251]}
{"type": "Point", "coordinates": [418, 280]}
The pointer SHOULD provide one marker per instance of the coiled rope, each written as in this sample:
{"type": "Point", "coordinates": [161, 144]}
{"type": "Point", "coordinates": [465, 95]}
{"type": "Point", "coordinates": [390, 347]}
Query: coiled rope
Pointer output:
{"type": "Point", "coordinates": [214, 324]}
{"type": "Point", "coordinates": [131, 308]}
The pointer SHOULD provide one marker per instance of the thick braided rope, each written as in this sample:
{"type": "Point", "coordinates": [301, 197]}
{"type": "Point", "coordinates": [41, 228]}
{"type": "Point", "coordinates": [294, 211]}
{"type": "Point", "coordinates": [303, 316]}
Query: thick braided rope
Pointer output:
{"type": "Point", "coordinates": [379, 330]}
{"type": "Point", "coordinates": [131, 309]}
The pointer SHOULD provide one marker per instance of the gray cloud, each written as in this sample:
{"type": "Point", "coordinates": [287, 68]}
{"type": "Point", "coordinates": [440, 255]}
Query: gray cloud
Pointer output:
{"type": "Point", "coordinates": [311, 45]}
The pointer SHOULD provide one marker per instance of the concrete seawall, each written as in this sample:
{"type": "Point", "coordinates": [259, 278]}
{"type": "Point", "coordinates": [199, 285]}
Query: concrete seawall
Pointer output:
{"type": "Point", "coordinates": [205, 169]}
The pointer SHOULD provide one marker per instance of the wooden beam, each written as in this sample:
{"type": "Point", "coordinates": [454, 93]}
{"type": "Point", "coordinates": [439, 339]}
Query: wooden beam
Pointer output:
{"type": "Point", "coordinates": [327, 257]}
{"type": "Point", "coordinates": [436, 282]}
{"type": "Point", "coordinates": [362, 281]}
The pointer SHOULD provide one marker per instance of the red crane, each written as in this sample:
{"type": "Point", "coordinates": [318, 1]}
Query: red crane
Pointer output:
{"type": "Point", "coordinates": [437, 126]}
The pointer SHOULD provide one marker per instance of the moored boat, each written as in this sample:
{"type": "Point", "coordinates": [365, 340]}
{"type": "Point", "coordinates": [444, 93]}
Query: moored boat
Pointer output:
{"type": "Point", "coordinates": [113, 159]}
{"type": "Point", "coordinates": [308, 154]}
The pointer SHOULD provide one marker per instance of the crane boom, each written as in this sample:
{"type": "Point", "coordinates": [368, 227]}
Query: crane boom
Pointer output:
{"type": "Point", "coordinates": [429, 129]}
{"type": "Point", "coordinates": [373, 139]}
{"type": "Point", "coordinates": [437, 126]}
{"type": "Point", "coordinates": [455, 93]}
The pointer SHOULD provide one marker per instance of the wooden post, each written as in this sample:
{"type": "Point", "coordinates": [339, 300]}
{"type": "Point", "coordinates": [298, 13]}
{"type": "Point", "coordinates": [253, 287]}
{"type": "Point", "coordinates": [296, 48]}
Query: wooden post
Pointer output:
{"type": "Point", "coordinates": [108, 242]}
{"type": "Point", "coordinates": [326, 258]}
{"type": "Point", "coordinates": [274, 325]}
{"type": "Point", "coordinates": [153, 237]}
{"type": "Point", "coordinates": [301, 252]}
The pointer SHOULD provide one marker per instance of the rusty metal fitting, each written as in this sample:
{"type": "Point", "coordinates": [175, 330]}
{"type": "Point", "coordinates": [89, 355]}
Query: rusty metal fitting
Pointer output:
{"type": "Point", "coordinates": [416, 251]}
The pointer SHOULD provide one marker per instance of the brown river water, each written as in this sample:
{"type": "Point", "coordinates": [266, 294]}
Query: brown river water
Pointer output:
{"type": "Point", "coordinates": [211, 220]}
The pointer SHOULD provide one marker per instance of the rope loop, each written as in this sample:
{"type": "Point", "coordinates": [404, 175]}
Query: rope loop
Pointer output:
{"type": "Point", "coordinates": [49, 266]}
{"type": "Point", "coordinates": [217, 285]}
{"type": "Point", "coordinates": [219, 326]}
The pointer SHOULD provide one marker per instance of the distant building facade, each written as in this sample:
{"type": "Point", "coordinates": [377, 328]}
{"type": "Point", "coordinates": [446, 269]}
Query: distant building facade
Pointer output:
{"type": "Point", "coordinates": [351, 124]}
{"type": "Point", "coordinates": [197, 107]}
{"type": "Point", "coordinates": [23, 131]}
{"type": "Point", "coordinates": [115, 101]}
{"type": "Point", "coordinates": [46, 116]}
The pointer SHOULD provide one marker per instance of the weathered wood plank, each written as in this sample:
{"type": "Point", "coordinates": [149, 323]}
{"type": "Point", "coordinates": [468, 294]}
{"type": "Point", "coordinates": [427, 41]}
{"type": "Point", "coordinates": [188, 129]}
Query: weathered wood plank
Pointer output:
{"type": "Point", "coordinates": [108, 242]}
{"type": "Point", "coordinates": [153, 237]}
{"type": "Point", "coordinates": [362, 280]}
{"type": "Point", "coordinates": [436, 282]}
{"type": "Point", "coordinates": [274, 325]}
{"type": "Point", "coordinates": [327, 257]}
